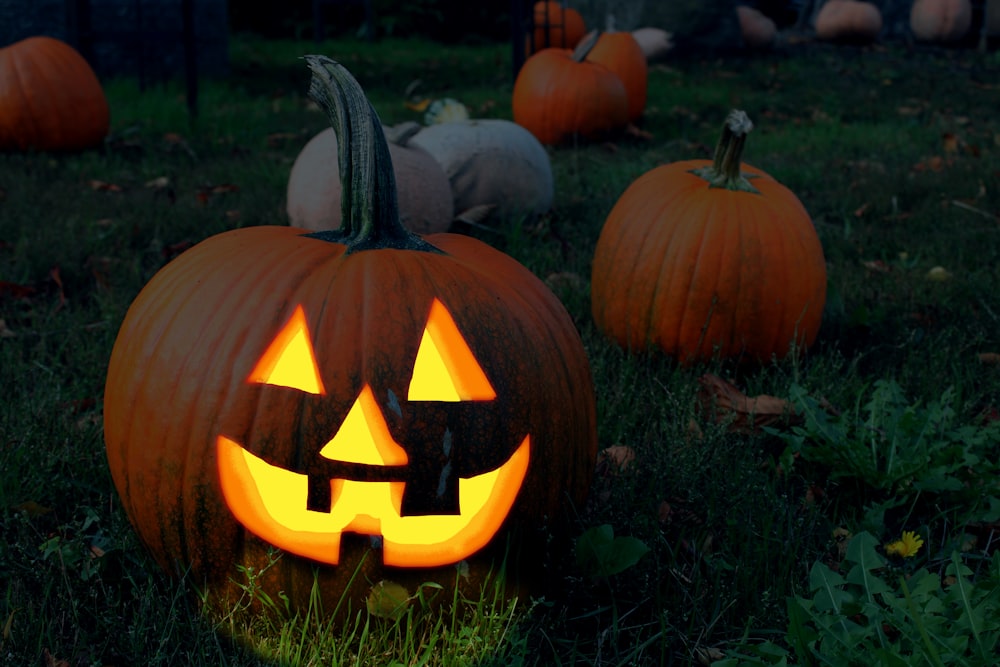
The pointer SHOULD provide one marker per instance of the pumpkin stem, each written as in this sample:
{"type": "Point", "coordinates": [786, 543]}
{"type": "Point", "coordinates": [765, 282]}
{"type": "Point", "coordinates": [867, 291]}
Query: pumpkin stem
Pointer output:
{"type": "Point", "coordinates": [586, 44]}
{"type": "Point", "coordinates": [725, 169]}
{"type": "Point", "coordinates": [369, 207]}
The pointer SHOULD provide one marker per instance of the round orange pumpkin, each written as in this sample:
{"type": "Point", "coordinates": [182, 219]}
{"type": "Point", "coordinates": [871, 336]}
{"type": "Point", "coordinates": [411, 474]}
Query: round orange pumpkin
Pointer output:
{"type": "Point", "coordinates": [556, 26]}
{"type": "Point", "coordinates": [709, 258]}
{"type": "Point", "coordinates": [559, 94]}
{"type": "Point", "coordinates": [848, 21]}
{"type": "Point", "coordinates": [50, 98]}
{"type": "Point", "coordinates": [360, 405]}
{"type": "Point", "coordinates": [940, 20]}
{"type": "Point", "coordinates": [621, 53]}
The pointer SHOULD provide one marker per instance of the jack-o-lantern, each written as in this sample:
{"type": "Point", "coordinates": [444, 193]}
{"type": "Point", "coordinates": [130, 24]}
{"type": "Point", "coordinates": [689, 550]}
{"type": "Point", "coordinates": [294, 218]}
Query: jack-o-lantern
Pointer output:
{"type": "Point", "coordinates": [364, 401]}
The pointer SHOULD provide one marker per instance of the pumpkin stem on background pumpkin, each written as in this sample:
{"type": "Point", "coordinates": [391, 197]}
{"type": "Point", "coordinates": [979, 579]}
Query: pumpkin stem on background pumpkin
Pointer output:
{"type": "Point", "coordinates": [369, 206]}
{"type": "Point", "coordinates": [725, 169]}
{"type": "Point", "coordinates": [585, 46]}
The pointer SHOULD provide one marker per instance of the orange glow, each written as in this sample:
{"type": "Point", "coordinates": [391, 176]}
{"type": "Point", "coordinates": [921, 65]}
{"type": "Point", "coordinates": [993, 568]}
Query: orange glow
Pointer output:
{"type": "Point", "coordinates": [289, 360]}
{"type": "Point", "coordinates": [364, 437]}
{"type": "Point", "coordinates": [271, 502]}
{"type": "Point", "coordinates": [445, 368]}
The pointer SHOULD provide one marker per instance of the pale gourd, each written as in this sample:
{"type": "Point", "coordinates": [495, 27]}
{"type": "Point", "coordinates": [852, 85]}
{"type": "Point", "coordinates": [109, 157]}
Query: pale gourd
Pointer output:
{"type": "Point", "coordinates": [654, 42]}
{"type": "Point", "coordinates": [940, 20]}
{"type": "Point", "coordinates": [848, 21]}
{"type": "Point", "coordinates": [314, 190]}
{"type": "Point", "coordinates": [491, 161]}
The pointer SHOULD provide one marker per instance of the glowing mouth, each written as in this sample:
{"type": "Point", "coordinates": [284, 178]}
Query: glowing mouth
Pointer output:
{"type": "Point", "coordinates": [279, 515]}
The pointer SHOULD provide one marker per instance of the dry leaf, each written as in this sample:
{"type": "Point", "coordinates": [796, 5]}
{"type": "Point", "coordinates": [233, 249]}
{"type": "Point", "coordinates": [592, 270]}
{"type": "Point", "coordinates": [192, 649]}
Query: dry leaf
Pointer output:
{"type": "Point", "coordinates": [32, 509]}
{"type": "Point", "coordinates": [14, 291]}
{"type": "Point", "coordinates": [726, 404]}
{"type": "Point", "coordinates": [57, 279]}
{"type": "Point", "coordinates": [950, 143]}
{"type": "Point", "coordinates": [50, 660]}
{"type": "Point", "coordinates": [708, 656]}
{"type": "Point", "coordinates": [5, 331]}
{"type": "Point", "coordinates": [876, 265]}
{"type": "Point", "coordinates": [615, 459]}
{"type": "Point", "coordinates": [158, 183]}
{"type": "Point", "coordinates": [103, 186]}
{"type": "Point", "coordinates": [633, 131]}
{"type": "Point", "coordinates": [990, 358]}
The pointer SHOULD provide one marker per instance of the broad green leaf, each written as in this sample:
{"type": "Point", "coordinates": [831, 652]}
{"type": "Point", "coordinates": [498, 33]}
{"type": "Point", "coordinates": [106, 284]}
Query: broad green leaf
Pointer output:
{"type": "Point", "coordinates": [827, 585]}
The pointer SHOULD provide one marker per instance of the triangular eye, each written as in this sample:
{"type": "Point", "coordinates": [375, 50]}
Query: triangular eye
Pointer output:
{"type": "Point", "coordinates": [289, 360]}
{"type": "Point", "coordinates": [446, 369]}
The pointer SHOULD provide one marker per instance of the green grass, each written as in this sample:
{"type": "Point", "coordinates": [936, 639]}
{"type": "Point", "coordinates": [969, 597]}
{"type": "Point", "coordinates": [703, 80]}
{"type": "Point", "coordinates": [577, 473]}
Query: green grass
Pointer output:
{"type": "Point", "coordinates": [894, 152]}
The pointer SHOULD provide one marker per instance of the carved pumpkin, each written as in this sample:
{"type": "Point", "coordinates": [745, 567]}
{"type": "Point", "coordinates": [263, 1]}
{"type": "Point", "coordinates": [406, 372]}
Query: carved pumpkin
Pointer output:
{"type": "Point", "coordinates": [848, 21]}
{"type": "Point", "coordinates": [709, 258]}
{"type": "Point", "coordinates": [555, 26]}
{"type": "Point", "coordinates": [314, 196]}
{"type": "Point", "coordinates": [559, 95]}
{"type": "Point", "coordinates": [50, 98]}
{"type": "Point", "coordinates": [940, 20]}
{"type": "Point", "coordinates": [372, 404]}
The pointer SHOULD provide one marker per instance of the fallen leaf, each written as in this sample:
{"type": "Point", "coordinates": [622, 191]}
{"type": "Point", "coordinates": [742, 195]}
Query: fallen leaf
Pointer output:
{"type": "Point", "coordinates": [860, 211]}
{"type": "Point", "coordinates": [633, 131]}
{"type": "Point", "coordinates": [8, 625]}
{"type": "Point", "coordinates": [158, 183]}
{"type": "Point", "coordinates": [14, 291]}
{"type": "Point", "coordinates": [57, 279]}
{"type": "Point", "coordinates": [32, 509]}
{"type": "Point", "coordinates": [876, 265]}
{"type": "Point", "coordinates": [5, 331]}
{"type": "Point", "coordinates": [615, 459]}
{"type": "Point", "coordinates": [104, 186]}
{"type": "Point", "coordinates": [990, 358]}
{"type": "Point", "coordinates": [726, 404]}
{"type": "Point", "coordinates": [50, 660]}
{"type": "Point", "coordinates": [949, 143]}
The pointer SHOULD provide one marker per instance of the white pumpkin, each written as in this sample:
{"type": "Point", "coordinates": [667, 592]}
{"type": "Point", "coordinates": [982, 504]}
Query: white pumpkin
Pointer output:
{"type": "Point", "coordinates": [940, 20]}
{"type": "Point", "coordinates": [313, 196]}
{"type": "Point", "coordinates": [654, 42]}
{"type": "Point", "coordinates": [491, 161]}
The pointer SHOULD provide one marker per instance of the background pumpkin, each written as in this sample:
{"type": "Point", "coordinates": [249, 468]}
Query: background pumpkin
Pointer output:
{"type": "Point", "coordinates": [848, 20]}
{"type": "Point", "coordinates": [558, 95]}
{"type": "Point", "coordinates": [709, 258]}
{"type": "Point", "coordinates": [554, 25]}
{"type": "Point", "coordinates": [313, 199]}
{"type": "Point", "coordinates": [491, 161]}
{"type": "Point", "coordinates": [183, 373]}
{"type": "Point", "coordinates": [758, 29]}
{"type": "Point", "coordinates": [940, 20]}
{"type": "Point", "coordinates": [50, 98]}
{"type": "Point", "coordinates": [620, 53]}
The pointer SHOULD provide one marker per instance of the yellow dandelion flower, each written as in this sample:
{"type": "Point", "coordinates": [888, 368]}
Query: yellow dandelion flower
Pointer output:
{"type": "Point", "coordinates": [907, 546]}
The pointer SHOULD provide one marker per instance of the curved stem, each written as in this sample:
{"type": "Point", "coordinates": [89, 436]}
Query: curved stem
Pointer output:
{"type": "Point", "coordinates": [725, 169]}
{"type": "Point", "coordinates": [369, 207]}
{"type": "Point", "coordinates": [585, 46]}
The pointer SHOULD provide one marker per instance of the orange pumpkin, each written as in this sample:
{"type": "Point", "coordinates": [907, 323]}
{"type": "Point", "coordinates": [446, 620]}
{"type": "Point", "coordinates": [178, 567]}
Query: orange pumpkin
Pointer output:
{"type": "Point", "coordinates": [708, 258]}
{"type": "Point", "coordinates": [621, 53]}
{"type": "Point", "coordinates": [848, 21]}
{"type": "Point", "coordinates": [940, 20]}
{"type": "Point", "coordinates": [50, 98]}
{"type": "Point", "coordinates": [365, 402]}
{"type": "Point", "coordinates": [758, 29]}
{"type": "Point", "coordinates": [555, 26]}
{"type": "Point", "coordinates": [559, 94]}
